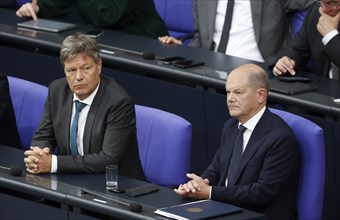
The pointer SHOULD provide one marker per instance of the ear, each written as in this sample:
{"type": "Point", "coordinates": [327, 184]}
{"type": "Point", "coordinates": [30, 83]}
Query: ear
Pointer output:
{"type": "Point", "coordinates": [262, 95]}
{"type": "Point", "coordinates": [100, 64]}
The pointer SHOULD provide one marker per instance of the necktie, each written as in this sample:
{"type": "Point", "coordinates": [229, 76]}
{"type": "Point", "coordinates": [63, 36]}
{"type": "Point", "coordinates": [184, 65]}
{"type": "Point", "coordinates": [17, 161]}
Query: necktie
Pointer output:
{"type": "Point", "coordinates": [226, 27]}
{"type": "Point", "coordinates": [237, 154]}
{"type": "Point", "coordinates": [74, 127]}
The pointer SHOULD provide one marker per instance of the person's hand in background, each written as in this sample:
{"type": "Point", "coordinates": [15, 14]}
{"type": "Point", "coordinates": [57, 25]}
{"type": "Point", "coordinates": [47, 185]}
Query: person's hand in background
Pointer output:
{"type": "Point", "coordinates": [29, 10]}
{"type": "Point", "coordinates": [327, 22]}
{"type": "Point", "coordinates": [284, 65]}
{"type": "Point", "coordinates": [169, 40]}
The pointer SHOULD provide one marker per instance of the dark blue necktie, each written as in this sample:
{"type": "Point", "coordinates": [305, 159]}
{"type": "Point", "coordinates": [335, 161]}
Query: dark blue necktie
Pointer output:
{"type": "Point", "coordinates": [226, 27]}
{"type": "Point", "coordinates": [74, 127]}
{"type": "Point", "coordinates": [237, 154]}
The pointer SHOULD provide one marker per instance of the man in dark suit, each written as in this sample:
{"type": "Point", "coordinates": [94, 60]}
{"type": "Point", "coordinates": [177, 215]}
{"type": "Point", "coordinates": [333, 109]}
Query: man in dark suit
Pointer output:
{"type": "Point", "coordinates": [8, 129]}
{"type": "Point", "coordinates": [318, 40]}
{"type": "Point", "coordinates": [269, 23]}
{"type": "Point", "coordinates": [265, 180]}
{"type": "Point", "coordinates": [106, 132]}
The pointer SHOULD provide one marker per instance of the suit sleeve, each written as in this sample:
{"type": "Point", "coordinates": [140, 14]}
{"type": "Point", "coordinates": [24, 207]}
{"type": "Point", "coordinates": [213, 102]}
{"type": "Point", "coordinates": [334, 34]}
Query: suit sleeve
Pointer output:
{"type": "Point", "coordinates": [196, 40]}
{"type": "Point", "coordinates": [3, 95]}
{"type": "Point", "coordinates": [332, 50]}
{"type": "Point", "coordinates": [44, 135]}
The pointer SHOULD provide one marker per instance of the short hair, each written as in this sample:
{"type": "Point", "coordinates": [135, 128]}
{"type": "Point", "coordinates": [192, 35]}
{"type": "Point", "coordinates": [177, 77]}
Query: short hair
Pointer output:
{"type": "Point", "coordinates": [258, 79]}
{"type": "Point", "coordinates": [78, 43]}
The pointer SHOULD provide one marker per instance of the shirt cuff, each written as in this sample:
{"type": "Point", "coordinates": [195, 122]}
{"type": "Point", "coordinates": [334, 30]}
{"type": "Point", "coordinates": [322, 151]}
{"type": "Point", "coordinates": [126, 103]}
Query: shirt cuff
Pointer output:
{"type": "Point", "coordinates": [329, 36]}
{"type": "Point", "coordinates": [54, 165]}
{"type": "Point", "coordinates": [210, 192]}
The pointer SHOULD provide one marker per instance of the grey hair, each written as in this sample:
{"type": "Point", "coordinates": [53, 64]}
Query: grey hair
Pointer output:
{"type": "Point", "coordinates": [259, 79]}
{"type": "Point", "coordinates": [78, 43]}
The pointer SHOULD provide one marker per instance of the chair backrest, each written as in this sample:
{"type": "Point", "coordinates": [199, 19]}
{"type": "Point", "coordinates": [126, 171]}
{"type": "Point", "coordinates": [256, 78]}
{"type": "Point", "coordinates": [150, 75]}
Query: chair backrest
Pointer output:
{"type": "Point", "coordinates": [312, 175]}
{"type": "Point", "coordinates": [178, 17]}
{"type": "Point", "coordinates": [297, 20]}
{"type": "Point", "coordinates": [28, 102]}
{"type": "Point", "coordinates": [164, 141]}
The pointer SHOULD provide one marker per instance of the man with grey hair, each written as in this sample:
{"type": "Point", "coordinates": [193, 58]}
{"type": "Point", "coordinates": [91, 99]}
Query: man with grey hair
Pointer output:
{"type": "Point", "coordinates": [257, 164]}
{"type": "Point", "coordinates": [88, 116]}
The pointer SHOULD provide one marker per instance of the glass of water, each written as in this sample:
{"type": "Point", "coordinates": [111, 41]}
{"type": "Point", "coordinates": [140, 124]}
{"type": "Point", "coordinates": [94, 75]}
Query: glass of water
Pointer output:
{"type": "Point", "coordinates": [111, 177]}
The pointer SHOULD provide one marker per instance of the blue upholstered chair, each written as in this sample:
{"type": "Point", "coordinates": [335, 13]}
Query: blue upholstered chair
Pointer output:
{"type": "Point", "coordinates": [312, 175]}
{"type": "Point", "coordinates": [178, 17]}
{"type": "Point", "coordinates": [297, 20]}
{"type": "Point", "coordinates": [28, 102]}
{"type": "Point", "coordinates": [164, 141]}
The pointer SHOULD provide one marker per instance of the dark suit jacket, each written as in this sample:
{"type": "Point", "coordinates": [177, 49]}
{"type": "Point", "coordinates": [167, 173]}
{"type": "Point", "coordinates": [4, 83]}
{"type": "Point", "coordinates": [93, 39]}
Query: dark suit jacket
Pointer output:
{"type": "Point", "coordinates": [9, 135]}
{"type": "Point", "coordinates": [109, 135]}
{"type": "Point", "coordinates": [308, 44]}
{"type": "Point", "coordinates": [271, 21]}
{"type": "Point", "coordinates": [267, 179]}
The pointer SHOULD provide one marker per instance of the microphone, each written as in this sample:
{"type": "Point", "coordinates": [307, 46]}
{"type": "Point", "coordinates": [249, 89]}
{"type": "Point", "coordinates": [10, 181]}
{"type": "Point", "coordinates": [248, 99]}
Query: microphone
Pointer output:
{"type": "Point", "coordinates": [13, 170]}
{"type": "Point", "coordinates": [148, 55]}
{"type": "Point", "coordinates": [134, 207]}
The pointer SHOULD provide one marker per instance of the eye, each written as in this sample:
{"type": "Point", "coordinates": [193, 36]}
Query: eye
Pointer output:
{"type": "Point", "coordinates": [70, 71]}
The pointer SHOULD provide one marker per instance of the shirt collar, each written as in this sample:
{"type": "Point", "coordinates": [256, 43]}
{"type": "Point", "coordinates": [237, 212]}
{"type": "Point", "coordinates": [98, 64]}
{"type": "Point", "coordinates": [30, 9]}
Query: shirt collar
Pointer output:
{"type": "Point", "coordinates": [251, 123]}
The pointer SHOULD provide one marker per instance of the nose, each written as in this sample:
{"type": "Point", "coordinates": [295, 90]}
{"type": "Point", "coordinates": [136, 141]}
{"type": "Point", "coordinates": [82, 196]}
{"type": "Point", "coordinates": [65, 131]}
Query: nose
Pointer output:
{"type": "Point", "coordinates": [79, 75]}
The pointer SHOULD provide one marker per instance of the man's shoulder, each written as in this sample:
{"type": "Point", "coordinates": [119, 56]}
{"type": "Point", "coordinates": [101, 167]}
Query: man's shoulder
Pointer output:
{"type": "Point", "coordinates": [58, 84]}
{"type": "Point", "coordinates": [112, 86]}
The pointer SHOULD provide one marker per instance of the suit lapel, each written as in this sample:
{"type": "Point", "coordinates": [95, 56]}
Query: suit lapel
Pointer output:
{"type": "Point", "coordinates": [256, 139]}
{"type": "Point", "coordinates": [92, 115]}
{"type": "Point", "coordinates": [227, 153]}
{"type": "Point", "coordinates": [211, 16]}
{"type": "Point", "coordinates": [256, 11]}
{"type": "Point", "coordinates": [67, 111]}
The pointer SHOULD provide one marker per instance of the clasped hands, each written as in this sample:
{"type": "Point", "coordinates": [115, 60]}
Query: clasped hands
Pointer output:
{"type": "Point", "coordinates": [38, 160]}
{"type": "Point", "coordinates": [195, 188]}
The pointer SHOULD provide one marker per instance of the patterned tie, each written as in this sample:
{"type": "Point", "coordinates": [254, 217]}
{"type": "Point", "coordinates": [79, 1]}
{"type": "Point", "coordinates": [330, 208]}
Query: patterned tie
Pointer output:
{"type": "Point", "coordinates": [74, 127]}
{"type": "Point", "coordinates": [226, 27]}
{"type": "Point", "coordinates": [237, 154]}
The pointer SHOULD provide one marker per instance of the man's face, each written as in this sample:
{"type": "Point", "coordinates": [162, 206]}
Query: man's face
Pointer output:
{"type": "Point", "coordinates": [330, 7]}
{"type": "Point", "coordinates": [82, 75]}
{"type": "Point", "coordinates": [241, 97]}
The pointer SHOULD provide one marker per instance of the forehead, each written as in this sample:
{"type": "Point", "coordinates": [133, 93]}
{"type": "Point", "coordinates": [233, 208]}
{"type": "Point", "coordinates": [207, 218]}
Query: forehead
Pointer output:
{"type": "Point", "coordinates": [79, 58]}
{"type": "Point", "coordinates": [237, 80]}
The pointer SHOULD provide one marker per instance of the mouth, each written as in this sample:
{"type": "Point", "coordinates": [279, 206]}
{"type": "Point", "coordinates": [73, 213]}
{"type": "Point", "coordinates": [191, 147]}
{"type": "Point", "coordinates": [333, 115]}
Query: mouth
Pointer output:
{"type": "Point", "coordinates": [79, 86]}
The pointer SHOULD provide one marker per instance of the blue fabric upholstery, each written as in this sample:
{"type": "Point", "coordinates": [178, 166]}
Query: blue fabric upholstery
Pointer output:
{"type": "Point", "coordinates": [312, 175]}
{"type": "Point", "coordinates": [164, 141]}
{"type": "Point", "coordinates": [297, 20]}
{"type": "Point", "coordinates": [178, 17]}
{"type": "Point", "coordinates": [28, 102]}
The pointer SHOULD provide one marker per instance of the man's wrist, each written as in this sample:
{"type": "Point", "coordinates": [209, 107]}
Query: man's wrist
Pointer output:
{"type": "Point", "coordinates": [329, 36]}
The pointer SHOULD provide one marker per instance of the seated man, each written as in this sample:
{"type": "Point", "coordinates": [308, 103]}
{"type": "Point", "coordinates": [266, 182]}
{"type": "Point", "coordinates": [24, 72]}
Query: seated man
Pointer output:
{"type": "Point", "coordinates": [9, 135]}
{"type": "Point", "coordinates": [318, 40]}
{"type": "Point", "coordinates": [259, 168]}
{"type": "Point", "coordinates": [88, 116]}
{"type": "Point", "coordinates": [264, 27]}
{"type": "Point", "coordinates": [132, 16]}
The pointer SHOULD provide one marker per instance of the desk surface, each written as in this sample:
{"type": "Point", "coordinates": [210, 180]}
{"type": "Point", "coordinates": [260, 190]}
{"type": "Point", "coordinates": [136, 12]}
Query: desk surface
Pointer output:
{"type": "Point", "coordinates": [66, 189]}
{"type": "Point", "coordinates": [212, 75]}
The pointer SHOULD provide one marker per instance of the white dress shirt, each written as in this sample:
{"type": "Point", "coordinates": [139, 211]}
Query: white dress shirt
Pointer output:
{"type": "Point", "coordinates": [242, 42]}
